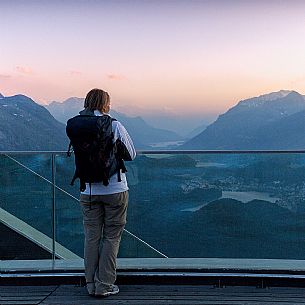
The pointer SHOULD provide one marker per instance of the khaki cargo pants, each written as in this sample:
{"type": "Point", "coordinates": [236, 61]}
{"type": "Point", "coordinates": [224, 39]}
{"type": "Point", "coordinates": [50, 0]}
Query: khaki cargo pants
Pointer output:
{"type": "Point", "coordinates": [104, 220]}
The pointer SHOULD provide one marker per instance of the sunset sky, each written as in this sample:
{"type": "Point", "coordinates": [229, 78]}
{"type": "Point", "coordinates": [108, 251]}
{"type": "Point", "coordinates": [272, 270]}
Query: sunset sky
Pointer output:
{"type": "Point", "coordinates": [173, 56]}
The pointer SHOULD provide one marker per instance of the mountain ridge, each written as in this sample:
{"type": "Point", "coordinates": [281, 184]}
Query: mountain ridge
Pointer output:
{"type": "Point", "coordinates": [242, 127]}
{"type": "Point", "coordinates": [26, 125]}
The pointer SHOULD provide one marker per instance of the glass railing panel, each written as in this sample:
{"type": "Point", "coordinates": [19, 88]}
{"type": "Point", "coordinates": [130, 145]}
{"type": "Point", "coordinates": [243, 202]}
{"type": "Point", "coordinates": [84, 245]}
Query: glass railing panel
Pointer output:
{"type": "Point", "coordinates": [69, 228]}
{"type": "Point", "coordinates": [220, 205]}
{"type": "Point", "coordinates": [26, 206]}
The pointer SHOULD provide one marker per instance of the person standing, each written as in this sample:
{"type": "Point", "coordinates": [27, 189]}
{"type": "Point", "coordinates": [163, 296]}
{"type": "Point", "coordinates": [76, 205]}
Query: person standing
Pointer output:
{"type": "Point", "coordinates": [104, 206]}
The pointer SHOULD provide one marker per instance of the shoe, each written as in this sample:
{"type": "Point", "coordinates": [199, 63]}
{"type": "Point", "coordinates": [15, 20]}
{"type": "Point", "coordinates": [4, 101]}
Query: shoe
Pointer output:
{"type": "Point", "coordinates": [110, 290]}
{"type": "Point", "coordinates": [90, 288]}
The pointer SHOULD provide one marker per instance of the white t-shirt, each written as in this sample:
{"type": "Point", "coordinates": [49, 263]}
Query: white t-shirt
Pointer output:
{"type": "Point", "coordinates": [114, 186]}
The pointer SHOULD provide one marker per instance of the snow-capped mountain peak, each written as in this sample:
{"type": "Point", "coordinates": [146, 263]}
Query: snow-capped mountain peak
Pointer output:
{"type": "Point", "coordinates": [274, 95]}
{"type": "Point", "coordinates": [262, 99]}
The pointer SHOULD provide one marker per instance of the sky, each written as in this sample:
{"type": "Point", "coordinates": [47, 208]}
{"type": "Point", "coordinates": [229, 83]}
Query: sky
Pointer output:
{"type": "Point", "coordinates": [164, 56]}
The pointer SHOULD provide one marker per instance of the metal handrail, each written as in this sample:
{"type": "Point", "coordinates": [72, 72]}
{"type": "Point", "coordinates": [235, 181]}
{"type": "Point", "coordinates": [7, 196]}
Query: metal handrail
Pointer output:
{"type": "Point", "coordinates": [168, 152]}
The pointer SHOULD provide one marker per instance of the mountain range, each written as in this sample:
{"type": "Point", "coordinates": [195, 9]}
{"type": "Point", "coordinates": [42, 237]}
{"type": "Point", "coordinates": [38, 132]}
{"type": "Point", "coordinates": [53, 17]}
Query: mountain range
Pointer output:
{"type": "Point", "coordinates": [270, 121]}
{"type": "Point", "coordinates": [143, 134]}
{"type": "Point", "coordinates": [25, 125]}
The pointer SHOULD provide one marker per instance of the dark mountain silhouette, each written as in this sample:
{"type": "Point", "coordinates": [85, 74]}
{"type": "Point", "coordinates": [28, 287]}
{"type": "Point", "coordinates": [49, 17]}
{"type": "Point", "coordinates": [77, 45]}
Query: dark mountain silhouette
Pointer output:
{"type": "Point", "coordinates": [142, 133]}
{"type": "Point", "coordinates": [271, 121]}
{"type": "Point", "coordinates": [240, 227]}
{"type": "Point", "coordinates": [25, 125]}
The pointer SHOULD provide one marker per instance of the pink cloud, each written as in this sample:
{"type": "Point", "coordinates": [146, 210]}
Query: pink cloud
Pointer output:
{"type": "Point", "coordinates": [24, 70]}
{"type": "Point", "coordinates": [5, 76]}
{"type": "Point", "coordinates": [116, 77]}
{"type": "Point", "coordinates": [75, 73]}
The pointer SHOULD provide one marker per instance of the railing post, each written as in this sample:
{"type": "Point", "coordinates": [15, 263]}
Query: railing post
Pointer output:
{"type": "Point", "coordinates": [53, 208]}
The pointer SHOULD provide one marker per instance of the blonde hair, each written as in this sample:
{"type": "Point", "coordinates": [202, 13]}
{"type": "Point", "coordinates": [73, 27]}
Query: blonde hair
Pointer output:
{"type": "Point", "coordinates": [97, 99]}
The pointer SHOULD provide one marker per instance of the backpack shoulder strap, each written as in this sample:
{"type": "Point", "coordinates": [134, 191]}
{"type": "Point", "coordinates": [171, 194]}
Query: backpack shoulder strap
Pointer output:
{"type": "Point", "coordinates": [69, 151]}
{"type": "Point", "coordinates": [105, 123]}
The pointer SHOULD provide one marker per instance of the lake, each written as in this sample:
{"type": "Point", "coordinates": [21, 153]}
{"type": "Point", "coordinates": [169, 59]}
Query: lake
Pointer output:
{"type": "Point", "coordinates": [240, 196]}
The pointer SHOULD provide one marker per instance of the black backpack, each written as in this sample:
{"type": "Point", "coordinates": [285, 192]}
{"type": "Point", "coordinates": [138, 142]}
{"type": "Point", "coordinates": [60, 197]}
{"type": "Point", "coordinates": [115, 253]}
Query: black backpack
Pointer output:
{"type": "Point", "coordinates": [96, 158]}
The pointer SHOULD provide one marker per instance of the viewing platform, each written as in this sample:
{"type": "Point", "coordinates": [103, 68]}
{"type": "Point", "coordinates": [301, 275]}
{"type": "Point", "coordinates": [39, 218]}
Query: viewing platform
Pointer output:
{"type": "Point", "coordinates": [153, 295]}
{"type": "Point", "coordinates": [203, 227]}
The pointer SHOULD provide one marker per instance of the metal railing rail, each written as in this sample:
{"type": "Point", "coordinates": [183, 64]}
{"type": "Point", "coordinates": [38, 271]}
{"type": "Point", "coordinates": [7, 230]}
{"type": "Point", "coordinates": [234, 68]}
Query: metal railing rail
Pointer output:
{"type": "Point", "coordinates": [173, 152]}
